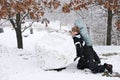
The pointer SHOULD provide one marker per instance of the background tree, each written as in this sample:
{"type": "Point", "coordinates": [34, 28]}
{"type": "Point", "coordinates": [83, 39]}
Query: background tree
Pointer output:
{"type": "Point", "coordinates": [1, 29]}
{"type": "Point", "coordinates": [112, 7]}
{"type": "Point", "coordinates": [17, 11]}
{"type": "Point", "coordinates": [117, 23]}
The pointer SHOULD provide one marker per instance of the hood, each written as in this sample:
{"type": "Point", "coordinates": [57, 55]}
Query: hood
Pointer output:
{"type": "Point", "coordinates": [79, 22]}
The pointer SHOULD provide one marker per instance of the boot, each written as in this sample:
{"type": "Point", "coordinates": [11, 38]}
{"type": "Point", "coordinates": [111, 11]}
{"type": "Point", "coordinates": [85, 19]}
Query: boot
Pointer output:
{"type": "Point", "coordinates": [108, 67]}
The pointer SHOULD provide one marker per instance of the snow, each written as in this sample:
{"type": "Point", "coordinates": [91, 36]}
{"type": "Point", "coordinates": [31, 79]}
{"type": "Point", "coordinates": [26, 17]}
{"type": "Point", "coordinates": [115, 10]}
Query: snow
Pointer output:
{"type": "Point", "coordinates": [51, 53]}
{"type": "Point", "coordinates": [24, 64]}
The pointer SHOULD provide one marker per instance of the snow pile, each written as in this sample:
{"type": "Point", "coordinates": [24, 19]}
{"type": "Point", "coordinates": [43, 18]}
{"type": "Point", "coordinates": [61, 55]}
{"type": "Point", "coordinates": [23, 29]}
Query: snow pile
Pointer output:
{"type": "Point", "coordinates": [55, 50]}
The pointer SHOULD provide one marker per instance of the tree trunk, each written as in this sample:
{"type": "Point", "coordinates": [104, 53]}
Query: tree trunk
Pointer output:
{"type": "Point", "coordinates": [19, 38]}
{"type": "Point", "coordinates": [31, 30]}
{"type": "Point", "coordinates": [17, 26]}
{"type": "Point", "coordinates": [109, 27]}
{"type": "Point", "coordinates": [1, 30]}
{"type": "Point", "coordinates": [18, 31]}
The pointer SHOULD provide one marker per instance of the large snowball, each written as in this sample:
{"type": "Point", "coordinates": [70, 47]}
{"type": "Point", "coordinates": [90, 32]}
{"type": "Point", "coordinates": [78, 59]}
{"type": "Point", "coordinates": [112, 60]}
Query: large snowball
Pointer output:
{"type": "Point", "coordinates": [55, 50]}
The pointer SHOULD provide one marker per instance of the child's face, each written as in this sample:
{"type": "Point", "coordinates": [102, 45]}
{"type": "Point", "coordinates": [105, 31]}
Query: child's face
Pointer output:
{"type": "Point", "coordinates": [73, 33]}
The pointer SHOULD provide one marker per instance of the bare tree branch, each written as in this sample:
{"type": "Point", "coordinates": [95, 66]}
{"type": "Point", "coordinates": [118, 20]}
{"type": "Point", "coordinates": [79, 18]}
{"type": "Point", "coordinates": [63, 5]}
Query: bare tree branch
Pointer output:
{"type": "Point", "coordinates": [4, 22]}
{"type": "Point", "coordinates": [26, 27]}
{"type": "Point", "coordinates": [25, 15]}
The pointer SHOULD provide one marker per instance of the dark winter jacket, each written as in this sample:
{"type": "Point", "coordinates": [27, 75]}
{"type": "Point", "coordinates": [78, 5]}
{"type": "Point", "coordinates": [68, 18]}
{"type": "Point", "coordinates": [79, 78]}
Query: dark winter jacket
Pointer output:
{"type": "Point", "coordinates": [83, 50]}
{"type": "Point", "coordinates": [79, 43]}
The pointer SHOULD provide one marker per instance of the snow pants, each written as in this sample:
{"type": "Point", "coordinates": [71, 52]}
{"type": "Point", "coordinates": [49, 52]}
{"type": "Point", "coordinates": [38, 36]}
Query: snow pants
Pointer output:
{"type": "Point", "coordinates": [90, 60]}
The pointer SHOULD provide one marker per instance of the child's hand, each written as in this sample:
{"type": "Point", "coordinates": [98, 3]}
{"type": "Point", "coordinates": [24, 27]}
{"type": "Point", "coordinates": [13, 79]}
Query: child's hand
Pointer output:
{"type": "Point", "coordinates": [75, 58]}
{"type": "Point", "coordinates": [71, 33]}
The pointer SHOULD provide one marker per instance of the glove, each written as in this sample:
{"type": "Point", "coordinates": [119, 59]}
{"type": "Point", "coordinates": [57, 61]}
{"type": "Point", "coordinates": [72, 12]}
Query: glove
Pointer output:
{"type": "Point", "coordinates": [99, 62]}
{"type": "Point", "coordinates": [75, 58]}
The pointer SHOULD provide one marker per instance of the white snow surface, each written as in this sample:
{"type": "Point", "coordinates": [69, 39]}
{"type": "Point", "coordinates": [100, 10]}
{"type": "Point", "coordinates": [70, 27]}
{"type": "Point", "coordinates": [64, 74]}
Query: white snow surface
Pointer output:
{"type": "Point", "coordinates": [48, 48]}
{"type": "Point", "coordinates": [55, 50]}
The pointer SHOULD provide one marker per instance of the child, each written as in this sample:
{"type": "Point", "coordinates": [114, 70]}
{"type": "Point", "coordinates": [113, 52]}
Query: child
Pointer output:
{"type": "Point", "coordinates": [88, 41]}
{"type": "Point", "coordinates": [87, 60]}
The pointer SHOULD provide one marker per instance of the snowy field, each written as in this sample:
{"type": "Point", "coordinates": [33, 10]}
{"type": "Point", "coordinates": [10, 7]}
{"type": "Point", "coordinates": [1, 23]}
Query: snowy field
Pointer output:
{"type": "Point", "coordinates": [17, 64]}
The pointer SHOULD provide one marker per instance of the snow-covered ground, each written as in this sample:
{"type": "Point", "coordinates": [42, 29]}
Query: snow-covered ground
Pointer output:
{"type": "Point", "coordinates": [18, 64]}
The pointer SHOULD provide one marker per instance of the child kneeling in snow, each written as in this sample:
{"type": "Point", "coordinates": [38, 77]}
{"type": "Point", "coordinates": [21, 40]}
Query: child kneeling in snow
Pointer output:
{"type": "Point", "coordinates": [87, 60]}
